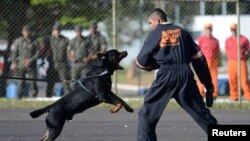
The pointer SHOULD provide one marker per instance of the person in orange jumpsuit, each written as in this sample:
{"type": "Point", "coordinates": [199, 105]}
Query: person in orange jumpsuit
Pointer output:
{"type": "Point", "coordinates": [231, 47]}
{"type": "Point", "coordinates": [209, 46]}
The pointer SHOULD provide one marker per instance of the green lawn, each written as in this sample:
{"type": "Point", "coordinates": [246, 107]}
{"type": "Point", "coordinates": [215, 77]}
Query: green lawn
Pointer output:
{"type": "Point", "coordinates": [134, 102]}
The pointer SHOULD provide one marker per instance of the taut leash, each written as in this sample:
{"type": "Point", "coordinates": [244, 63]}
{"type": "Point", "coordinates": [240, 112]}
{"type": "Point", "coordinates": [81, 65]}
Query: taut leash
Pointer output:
{"type": "Point", "coordinates": [87, 77]}
{"type": "Point", "coordinates": [84, 78]}
{"type": "Point", "coordinates": [64, 81]}
{"type": "Point", "coordinates": [47, 80]}
{"type": "Point", "coordinates": [29, 79]}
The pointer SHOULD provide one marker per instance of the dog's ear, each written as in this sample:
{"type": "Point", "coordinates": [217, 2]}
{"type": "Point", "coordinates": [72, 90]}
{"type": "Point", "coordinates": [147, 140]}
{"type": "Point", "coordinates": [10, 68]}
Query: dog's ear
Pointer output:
{"type": "Point", "coordinates": [101, 55]}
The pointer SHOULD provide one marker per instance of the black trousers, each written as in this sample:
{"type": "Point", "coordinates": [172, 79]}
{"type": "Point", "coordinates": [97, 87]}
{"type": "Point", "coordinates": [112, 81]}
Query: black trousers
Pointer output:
{"type": "Point", "coordinates": [172, 81]}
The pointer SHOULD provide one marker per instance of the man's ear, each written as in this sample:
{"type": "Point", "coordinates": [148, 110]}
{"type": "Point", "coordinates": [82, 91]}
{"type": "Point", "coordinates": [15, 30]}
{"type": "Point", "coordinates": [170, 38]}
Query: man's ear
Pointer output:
{"type": "Point", "coordinates": [101, 55]}
{"type": "Point", "coordinates": [158, 20]}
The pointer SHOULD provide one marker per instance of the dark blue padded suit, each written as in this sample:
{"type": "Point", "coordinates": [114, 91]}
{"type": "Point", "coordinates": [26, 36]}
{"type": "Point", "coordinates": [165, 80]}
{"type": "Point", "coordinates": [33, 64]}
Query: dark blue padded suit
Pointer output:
{"type": "Point", "coordinates": [170, 49]}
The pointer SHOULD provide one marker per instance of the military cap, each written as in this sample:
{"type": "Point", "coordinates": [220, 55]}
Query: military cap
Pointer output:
{"type": "Point", "coordinates": [233, 26]}
{"type": "Point", "coordinates": [208, 26]}
{"type": "Point", "coordinates": [45, 40]}
{"type": "Point", "coordinates": [93, 24]}
{"type": "Point", "coordinates": [78, 28]}
{"type": "Point", "coordinates": [26, 28]}
{"type": "Point", "coordinates": [57, 25]}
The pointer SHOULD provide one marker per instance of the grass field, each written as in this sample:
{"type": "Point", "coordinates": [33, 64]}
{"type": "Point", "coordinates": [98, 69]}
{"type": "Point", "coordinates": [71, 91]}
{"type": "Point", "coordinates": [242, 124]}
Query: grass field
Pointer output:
{"type": "Point", "coordinates": [223, 102]}
{"type": "Point", "coordinates": [135, 102]}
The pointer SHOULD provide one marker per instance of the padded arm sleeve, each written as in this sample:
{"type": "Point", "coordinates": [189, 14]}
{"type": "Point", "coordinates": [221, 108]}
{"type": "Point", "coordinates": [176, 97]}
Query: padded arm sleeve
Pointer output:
{"type": "Point", "coordinates": [145, 58]}
{"type": "Point", "coordinates": [201, 68]}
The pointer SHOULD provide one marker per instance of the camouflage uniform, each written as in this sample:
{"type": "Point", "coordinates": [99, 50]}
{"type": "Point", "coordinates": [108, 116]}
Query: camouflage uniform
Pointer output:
{"type": "Point", "coordinates": [79, 47]}
{"type": "Point", "coordinates": [25, 49]}
{"type": "Point", "coordinates": [58, 67]}
{"type": "Point", "coordinates": [98, 42]}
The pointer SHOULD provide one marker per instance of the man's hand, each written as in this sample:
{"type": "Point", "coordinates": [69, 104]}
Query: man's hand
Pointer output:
{"type": "Point", "coordinates": [27, 63]}
{"type": "Point", "coordinates": [71, 56]}
{"type": "Point", "coordinates": [92, 56]}
{"type": "Point", "coordinates": [13, 66]}
{"type": "Point", "coordinates": [209, 96]}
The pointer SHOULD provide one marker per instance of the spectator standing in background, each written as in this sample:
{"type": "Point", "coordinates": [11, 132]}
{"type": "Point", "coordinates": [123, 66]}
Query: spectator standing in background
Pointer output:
{"type": "Point", "coordinates": [209, 46]}
{"type": "Point", "coordinates": [231, 47]}
{"type": "Point", "coordinates": [24, 58]}
{"type": "Point", "coordinates": [77, 52]}
{"type": "Point", "coordinates": [58, 61]}
{"type": "Point", "coordinates": [98, 42]}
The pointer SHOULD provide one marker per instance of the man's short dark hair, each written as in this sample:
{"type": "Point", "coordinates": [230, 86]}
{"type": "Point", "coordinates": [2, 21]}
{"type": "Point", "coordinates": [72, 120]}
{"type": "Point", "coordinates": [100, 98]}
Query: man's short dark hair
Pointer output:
{"type": "Point", "coordinates": [159, 13]}
{"type": "Point", "coordinates": [93, 24]}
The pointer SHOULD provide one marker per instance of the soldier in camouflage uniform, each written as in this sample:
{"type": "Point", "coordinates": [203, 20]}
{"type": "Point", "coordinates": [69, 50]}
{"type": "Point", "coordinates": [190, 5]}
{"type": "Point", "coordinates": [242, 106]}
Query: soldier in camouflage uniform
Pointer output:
{"type": "Point", "coordinates": [24, 59]}
{"type": "Point", "coordinates": [98, 42]}
{"type": "Point", "coordinates": [58, 67]}
{"type": "Point", "coordinates": [77, 53]}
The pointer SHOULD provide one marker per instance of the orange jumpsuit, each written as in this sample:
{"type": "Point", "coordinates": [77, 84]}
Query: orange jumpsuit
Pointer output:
{"type": "Point", "coordinates": [232, 51]}
{"type": "Point", "coordinates": [211, 50]}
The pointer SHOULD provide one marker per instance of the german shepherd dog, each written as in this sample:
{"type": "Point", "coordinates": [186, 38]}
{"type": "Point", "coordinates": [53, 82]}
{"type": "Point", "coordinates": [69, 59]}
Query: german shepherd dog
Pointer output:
{"type": "Point", "coordinates": [87, 93]}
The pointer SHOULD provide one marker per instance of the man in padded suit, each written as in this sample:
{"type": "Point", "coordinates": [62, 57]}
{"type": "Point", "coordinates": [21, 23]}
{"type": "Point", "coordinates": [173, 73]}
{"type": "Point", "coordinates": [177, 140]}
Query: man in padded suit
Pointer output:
{"type": "Point", "coordinates": [170, 49]}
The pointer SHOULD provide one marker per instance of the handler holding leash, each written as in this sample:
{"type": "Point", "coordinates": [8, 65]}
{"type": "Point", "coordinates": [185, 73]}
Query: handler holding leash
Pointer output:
{"type": "Point", "coordinates": [170, 49]}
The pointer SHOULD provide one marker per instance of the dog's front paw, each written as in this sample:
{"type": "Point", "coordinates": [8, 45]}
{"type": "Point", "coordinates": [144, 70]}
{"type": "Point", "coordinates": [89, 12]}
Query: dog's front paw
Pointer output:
{"type": "Point", "coordinates": [116, 108]}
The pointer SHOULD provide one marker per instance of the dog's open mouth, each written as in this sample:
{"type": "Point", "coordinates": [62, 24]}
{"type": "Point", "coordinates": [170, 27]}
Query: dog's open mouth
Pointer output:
{"type": "Point", "coordinates": [122, 55]}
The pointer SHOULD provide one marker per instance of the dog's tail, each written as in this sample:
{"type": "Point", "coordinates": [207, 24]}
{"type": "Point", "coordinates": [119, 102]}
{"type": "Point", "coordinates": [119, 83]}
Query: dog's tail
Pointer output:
{"type": "Point", "coordinates": [39, 112]}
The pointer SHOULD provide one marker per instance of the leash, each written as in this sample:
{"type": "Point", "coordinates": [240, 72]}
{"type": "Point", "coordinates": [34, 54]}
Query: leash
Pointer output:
{"type": "Point", "coordinates": [47, 80]}
{"type": "Point", "coordinates": [29, 79]}
{"type": "Point", "coordinates": [64, 81]}
{"type": "Point", "coordinates": [86, 77]}
{"type": "Point", "coordinates": [80, 83]}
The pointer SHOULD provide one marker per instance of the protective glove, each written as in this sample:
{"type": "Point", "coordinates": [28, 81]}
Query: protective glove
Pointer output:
{"type": "Point", "coordinates": [203, 73]}
{"type": "Point", "coordinates": [209, 96]}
